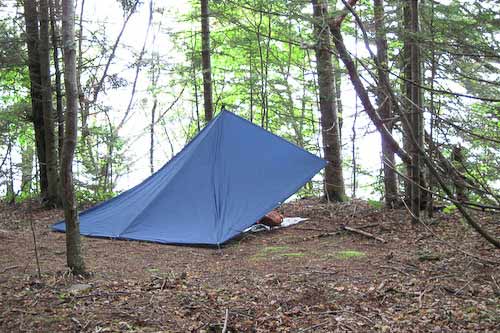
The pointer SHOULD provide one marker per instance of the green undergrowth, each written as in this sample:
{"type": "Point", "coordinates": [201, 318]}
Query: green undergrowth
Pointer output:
{"type": "Point", "coordinates": [349, 254]}
{"type": "Point", "coordinates": [346, 254]}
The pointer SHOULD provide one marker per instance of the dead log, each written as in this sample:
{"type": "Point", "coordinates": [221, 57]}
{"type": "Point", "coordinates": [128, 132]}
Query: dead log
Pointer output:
{"type": "Point", "coordinates": [364, 233]}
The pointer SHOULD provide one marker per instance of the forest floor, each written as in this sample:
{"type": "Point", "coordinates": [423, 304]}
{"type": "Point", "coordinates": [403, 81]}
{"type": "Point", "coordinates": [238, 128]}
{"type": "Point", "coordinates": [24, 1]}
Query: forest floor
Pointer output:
{"type": "Point", "coordinates": [312, 277]}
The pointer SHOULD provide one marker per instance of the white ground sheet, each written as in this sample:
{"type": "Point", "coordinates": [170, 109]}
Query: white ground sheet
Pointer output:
{"type": "Point", "coordinates": [287, 221]}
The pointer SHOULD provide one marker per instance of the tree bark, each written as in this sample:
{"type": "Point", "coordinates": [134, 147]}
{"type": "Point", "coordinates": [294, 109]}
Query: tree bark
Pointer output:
{"type": "Point", "coordinates": [155, 73]}
{"type": "Point", "coordinates": [406, 90]}
{"type": "Point", "coordinates": [250, 79]}
{"type": "Point", "coordinates": [416, 116]}
{"type": "Point", "coordinates": [262, 70]}
{"type": "Point", "coordinates": [385, 106]}
{"type": "Point", "coordinates": [206, 61]}
{"type": "Point", "coordinates": [32, 42]}
{"type": "Point", "coordinates": [433, 119]}
{"type": "Point", "coordinates": [48, 116]}
{"type": "Point", "coordinates": [152, 137]}
{"type": "Point", "coordinates": [338, 92]}
{"type": "Point", "coordinates": [9, 188]}
{"type": "Point", "coordinates": [334, 179]}
{"type": "Point", "coordinates": [59, 100]}
{"type": "Point", "coordinates": [195, 80]}
{"type": "Point", "coordinates": [26, 167]}
{"type": "Point", "coordinates": [73, 248]}
{"type": "Point", "coordinates": [458, 158]}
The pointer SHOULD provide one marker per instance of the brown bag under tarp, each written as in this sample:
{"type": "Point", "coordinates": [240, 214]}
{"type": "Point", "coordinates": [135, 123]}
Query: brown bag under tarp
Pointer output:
{"type": "Point", "coordinates": [271, 219]}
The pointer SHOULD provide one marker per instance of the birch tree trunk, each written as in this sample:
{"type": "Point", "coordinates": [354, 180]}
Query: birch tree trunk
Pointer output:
{"type": "Point", "coordinates": [206, 62]}
{"type": "Point", "coordinates": [334, 179]}
{"type": "Point", "coordinates": [73, 248]}
{"type": "Point", "coordinates": [48, 112]}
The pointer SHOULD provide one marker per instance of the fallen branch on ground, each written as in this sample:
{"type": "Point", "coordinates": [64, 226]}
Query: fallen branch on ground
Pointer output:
{"type": "Point", "coordinates": [8, 269]}
{"type": "Point", "coordinates": [364, 233]}
{"type": "Point", "coordinates": [224, 329]}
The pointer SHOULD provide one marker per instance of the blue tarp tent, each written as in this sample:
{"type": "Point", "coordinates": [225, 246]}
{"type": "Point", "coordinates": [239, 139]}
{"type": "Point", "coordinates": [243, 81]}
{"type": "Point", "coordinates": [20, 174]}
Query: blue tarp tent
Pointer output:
{"type": "Point", "coordinates": [229, 176]}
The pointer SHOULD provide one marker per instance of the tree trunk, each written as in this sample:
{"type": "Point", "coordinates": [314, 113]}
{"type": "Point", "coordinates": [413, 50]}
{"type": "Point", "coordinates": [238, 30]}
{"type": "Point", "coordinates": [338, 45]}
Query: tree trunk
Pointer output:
{"type": "Point", "coordinates": [266, 72]}
{"type": "Point", "coordinates": [406, 91]}
{"type": "Point", "coordinates": [338, 92]}
{"type": "Point", "coordinates": [48, 116]}
{"type": "Point", "coordinates": [9, 190]}
{"type": "Point", "coordinates": [32, 41]}
{"type": "Point", "coordinates": [155, 73]}
{"type": "Point", "coordinates": [59, 101]}
{"type": "Point", "coordinates": [26, 167]}
{"type": "Point", "coordinates": [385, 106]}
{"type": "Point", "coordinates": [334, 179]}
{"type": "Point", "coordinates": [195, 83]}
{"type": "Point", "coordinates": [152, 137]}
{"type": "Point", "coordinates": [206, 62]}
{"type": "Point", "coordinates": [262, 71]}
{"type": "Point", "coordinates": [416, 116]}
{"type": "Point", "coordinates": [354, 185]}
{"type": "Point", "coordinates": [458, 158]}
{"type": "Point", "coordinates": [73, 249]}
{"type": "Point", "coordinates": [433, 120]}
{"type": "Point", "coordinates": [250, 79]}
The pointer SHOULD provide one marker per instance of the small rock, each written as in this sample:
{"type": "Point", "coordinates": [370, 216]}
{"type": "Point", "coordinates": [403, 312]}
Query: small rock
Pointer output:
{"type": "Point", "coordinates": [79, 288]}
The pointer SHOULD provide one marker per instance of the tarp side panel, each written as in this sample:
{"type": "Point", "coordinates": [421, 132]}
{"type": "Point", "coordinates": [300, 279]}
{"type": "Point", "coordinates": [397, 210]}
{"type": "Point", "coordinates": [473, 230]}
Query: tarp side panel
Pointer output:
{"type": "Point", "coordinates": [112, 217]}
{"type": "Point", "coordinates": [184, 211]}
{"type": "Point", "coordinates": [258, 172]}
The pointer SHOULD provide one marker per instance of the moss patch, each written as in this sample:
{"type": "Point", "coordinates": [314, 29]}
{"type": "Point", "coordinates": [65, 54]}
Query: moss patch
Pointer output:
{"type": "Point", "coordinates": [348, 254]}
{"type": "Point", "coordinates": [293, 254]}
